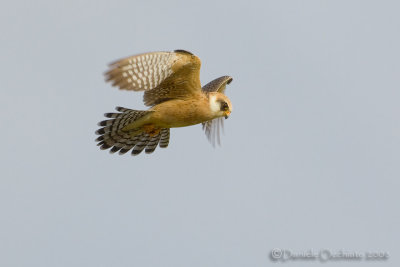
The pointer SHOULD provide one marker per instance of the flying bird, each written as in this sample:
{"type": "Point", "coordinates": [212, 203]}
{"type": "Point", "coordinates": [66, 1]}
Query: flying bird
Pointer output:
{"type": "Point", "coordinates": [172, 90]}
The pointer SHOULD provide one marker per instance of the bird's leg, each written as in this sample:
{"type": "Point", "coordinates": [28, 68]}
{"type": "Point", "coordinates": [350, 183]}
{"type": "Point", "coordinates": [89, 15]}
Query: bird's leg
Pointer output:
{"type": "Point", "coordinates": [151, 130]}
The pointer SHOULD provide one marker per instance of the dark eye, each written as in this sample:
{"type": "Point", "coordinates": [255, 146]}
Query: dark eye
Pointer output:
{"type": "Point", "coordinates": [224, 106]}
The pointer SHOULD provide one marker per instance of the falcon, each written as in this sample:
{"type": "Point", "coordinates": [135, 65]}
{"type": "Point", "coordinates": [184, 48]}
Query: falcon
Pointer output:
{"type": "Point", "coordinates": [172, 90]}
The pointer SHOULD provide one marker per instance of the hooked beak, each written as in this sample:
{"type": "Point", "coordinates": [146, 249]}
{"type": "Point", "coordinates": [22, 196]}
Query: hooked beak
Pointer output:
{"type": "Point", "coordinates": [227, 114]}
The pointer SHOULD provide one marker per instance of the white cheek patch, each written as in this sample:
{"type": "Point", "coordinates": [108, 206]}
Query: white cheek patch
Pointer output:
{"type": "Point", "coordinates": [214, 105]}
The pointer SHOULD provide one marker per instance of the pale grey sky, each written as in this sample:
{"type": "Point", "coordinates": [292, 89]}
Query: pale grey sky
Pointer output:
{"type": "Point", "coordinates": [309, 159]}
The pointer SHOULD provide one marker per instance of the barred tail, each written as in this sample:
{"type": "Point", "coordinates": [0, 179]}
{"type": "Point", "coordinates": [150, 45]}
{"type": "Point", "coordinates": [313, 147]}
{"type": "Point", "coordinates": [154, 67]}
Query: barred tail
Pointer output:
{"type": "Point", "coordinates": [113, 136]}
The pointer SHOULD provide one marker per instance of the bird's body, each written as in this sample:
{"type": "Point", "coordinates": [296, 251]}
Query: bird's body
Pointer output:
{"type": "Point", "coordinates": [189, 112]}
{"type": "Point", "coordinates": [172, 89]}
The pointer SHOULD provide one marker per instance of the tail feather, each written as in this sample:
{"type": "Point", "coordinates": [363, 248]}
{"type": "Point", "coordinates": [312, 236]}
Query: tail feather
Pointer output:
{"type": "Point", "coordinates": [121, 109]}
{"type": "Point", "coordinates": [115, 148]}
{"type": "Point", "coordinates": [152, 144]}
{"type": "Point", "coordinates": [121, 141]}
{"type": "Point", "coordinates": [129, 145]}
{"type": "Point", "coordinates": [144, 140]}
{"type": "Point", "coordinates": [164, 141]}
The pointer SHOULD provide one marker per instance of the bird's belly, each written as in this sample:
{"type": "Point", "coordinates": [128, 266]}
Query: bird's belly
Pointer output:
{"type": "Point", "coordinates": [179, 116]}
{"type": "Point", "coordinates": [171, 120]}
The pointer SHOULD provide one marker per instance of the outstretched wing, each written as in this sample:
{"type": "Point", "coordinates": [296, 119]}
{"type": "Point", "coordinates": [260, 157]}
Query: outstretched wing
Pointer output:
{"type": "Point", "coordinates": [162, 75]}
{"type": "Point", "coordinates": [218, 85]}
{"type": "Point", "coordinates": [214, 127]}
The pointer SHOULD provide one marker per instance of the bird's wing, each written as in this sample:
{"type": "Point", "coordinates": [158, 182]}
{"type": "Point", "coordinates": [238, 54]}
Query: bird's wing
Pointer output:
{"type": "Point", "coordinates": [217, 85]}
{"type": "Point", "coordinates": [162, 75]}
{"type": "Point", "coordinates": [214, 127]}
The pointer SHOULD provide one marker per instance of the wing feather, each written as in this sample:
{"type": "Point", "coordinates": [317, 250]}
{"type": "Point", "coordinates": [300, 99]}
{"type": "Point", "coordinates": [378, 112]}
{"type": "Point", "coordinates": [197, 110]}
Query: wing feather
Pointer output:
{"type": "Point", "coordinates": [162, 75]}
{"type": "Point", "coordinates": [213, 129]}
{"type": "Point", "coordinates": [218, 85]}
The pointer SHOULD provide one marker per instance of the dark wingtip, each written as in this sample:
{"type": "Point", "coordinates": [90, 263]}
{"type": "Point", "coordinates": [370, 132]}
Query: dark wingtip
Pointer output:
{"type": "Point", "coordinates": [229, 80]}
{"type": "Point", "coordinates": [183, 51]}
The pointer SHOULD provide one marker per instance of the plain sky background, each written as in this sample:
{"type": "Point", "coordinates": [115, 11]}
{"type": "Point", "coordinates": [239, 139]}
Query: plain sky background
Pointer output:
{"type": "Point", "coordinates": [309, 160]}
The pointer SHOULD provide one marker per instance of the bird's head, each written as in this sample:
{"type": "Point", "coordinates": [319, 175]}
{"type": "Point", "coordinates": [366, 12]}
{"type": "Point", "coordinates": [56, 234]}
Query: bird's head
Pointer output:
{"type": "Point", "coordinates": [220, 105]}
